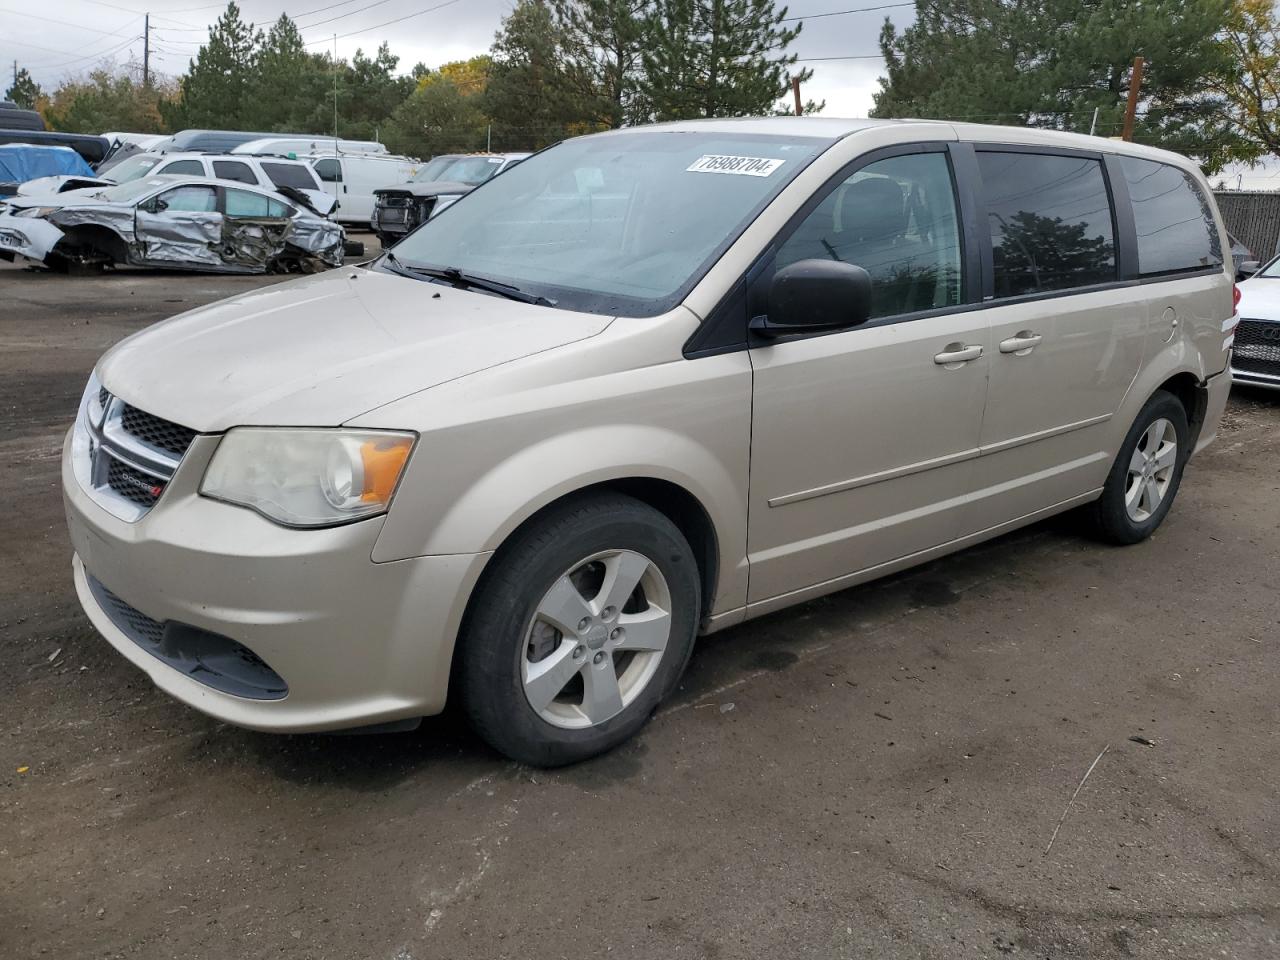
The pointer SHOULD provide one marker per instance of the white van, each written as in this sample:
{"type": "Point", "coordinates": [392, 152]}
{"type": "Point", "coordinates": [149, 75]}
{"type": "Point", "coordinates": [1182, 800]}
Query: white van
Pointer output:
{"type": "Point", "coordinates": [282, 146]}
{"type": "Point", "coordinates": [352, 180]}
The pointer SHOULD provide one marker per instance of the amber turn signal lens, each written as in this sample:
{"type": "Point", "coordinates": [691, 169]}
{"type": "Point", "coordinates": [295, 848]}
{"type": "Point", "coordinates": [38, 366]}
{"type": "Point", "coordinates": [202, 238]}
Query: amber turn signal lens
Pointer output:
{"type": "Point", "coordinates": [383, 461]}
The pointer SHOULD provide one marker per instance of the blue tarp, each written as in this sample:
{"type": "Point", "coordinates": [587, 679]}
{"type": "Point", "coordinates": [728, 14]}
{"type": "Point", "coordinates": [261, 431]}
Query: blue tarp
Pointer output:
{"type": "Point", "coordinates": [20, 162]}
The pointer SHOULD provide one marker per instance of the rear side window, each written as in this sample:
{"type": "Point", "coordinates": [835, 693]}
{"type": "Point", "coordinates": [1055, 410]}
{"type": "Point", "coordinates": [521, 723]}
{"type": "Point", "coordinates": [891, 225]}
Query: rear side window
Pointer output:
{"type": "Point", "coordinates": [233, 170]}
{"type": "Point", "coordinates": [193, 168]}
{"type": "Point", "coordinates": [1050, 222]}
{"type": "Point", "coordinates": [294, 175]}
{"type": "Point", "coordinates": [1174, 222]}
{"type": "Point", "coordinates": [330, 171]}
{"type": "Point", "coordinates": [242, 203]}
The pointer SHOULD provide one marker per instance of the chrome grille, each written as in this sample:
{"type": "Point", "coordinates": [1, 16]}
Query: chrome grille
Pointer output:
{"type": "Point", "coordinates": [124, 457]}
{"type": "Point", "coordinates": [1257, 348]}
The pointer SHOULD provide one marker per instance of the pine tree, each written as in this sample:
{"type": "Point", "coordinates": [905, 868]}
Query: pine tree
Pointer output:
{"type": "Point", "coordinates": [216, 92]}
{"type": "Point", "coordinates": [528, 96]}
{"type": "Point", "coordinates": [604, 43]}
{"type": "Point", "coordinates": [25, 91]}
{"type": "Point", "coordinates": [288, 83]}
{"type": "Point", "coordinates": [1051, 64]}
{"type": "Point", "coordinates": [717, 58]}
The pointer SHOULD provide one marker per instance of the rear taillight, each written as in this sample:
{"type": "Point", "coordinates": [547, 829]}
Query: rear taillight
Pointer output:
{"type": "Point", "coordinates": [1235, 297]}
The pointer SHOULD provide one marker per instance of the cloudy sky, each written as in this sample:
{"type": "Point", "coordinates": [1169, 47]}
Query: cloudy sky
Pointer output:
{"type": "Point", "coordinates": [62, 38]}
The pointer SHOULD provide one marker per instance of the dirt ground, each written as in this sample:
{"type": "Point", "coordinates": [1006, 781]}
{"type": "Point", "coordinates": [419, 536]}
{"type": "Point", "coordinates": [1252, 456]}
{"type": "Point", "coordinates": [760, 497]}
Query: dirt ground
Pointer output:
{"type": "Point", "coordinates": [876, 774]}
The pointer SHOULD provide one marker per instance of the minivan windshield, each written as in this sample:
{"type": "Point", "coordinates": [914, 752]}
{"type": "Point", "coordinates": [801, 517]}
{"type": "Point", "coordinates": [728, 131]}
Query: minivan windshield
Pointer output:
{"type": "Point", "coordinates": [621, 224]}
{"type": "Point", "coordinates": [133, 168]}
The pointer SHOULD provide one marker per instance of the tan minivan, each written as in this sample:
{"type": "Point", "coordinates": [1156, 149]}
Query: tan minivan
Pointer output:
{"type": "Point", "coordinates": [645, 385]}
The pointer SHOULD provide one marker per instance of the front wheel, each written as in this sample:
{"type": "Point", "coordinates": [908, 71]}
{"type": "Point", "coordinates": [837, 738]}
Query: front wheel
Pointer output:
{"type": "Point", "coordinates": [1146, 474]}
{"type": "Point", "coordinates": [585, 620]}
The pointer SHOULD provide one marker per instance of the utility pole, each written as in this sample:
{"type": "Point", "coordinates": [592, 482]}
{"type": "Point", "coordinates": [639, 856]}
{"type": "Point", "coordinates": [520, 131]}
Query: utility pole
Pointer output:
{"type": "Point", "coordinates": [795, 90]}
{"type": "Point", "coordinates": [1135, 85]}
{"type": "Point", "coordinates": [146, 50]}
{"type": "Point", "coordinates": [335, 93]}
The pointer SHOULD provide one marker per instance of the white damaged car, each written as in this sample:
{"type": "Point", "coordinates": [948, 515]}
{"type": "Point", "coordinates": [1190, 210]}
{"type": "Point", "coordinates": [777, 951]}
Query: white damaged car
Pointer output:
{"type": "Point", "coordinates": [176, 222]}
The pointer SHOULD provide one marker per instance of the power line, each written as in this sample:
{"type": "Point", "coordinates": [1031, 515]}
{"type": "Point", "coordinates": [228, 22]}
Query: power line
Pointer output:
{"type": "Point", "coordinates": [379, 26]}
{"type": "Point", "coordinates": [841, 13]}
{"type": "Point", "coordinates": [63, 23]}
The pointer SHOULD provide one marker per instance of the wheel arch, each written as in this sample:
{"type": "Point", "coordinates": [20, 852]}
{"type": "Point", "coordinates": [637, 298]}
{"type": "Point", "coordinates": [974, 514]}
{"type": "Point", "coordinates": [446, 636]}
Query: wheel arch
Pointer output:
{"type": "Point", "coordinates": [81, 241]}
{"type": "Point", "coordinates": [1194, 398]}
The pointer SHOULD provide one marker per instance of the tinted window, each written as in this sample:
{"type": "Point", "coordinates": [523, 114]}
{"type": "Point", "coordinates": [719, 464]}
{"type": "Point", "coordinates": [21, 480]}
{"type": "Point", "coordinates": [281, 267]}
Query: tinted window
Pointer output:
{"type": "Point", "coordinates": [1050, 221]}
{"type": "Point", "coordinates": [896, 219]}
{"type": "Point", "coordinates": [1175, 225]}
{"type": "Point", "coordinates": [190, 200]}
{"type": "Point", "coordinates": [294, 175]}
{"type": "Point", "coordinates": [233, 170]}
{"type": "Point", "coordinates": [330, 171]}
{"type": "Point", "coordinates": [192, 168]}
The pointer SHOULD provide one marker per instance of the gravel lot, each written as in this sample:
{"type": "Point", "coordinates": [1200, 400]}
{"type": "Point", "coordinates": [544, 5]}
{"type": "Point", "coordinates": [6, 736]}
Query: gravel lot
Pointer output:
{"type": "Point", "coordinates": [876, 774]}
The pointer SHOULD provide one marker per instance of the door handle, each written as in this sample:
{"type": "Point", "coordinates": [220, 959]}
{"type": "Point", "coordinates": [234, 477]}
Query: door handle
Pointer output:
{"type": "Point", "coordinates": [957, 353]}
{"type": "Point", "coordinates": [1020, 344]}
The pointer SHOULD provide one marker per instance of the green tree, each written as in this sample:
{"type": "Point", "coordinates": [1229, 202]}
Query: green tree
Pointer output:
{"type": "Point", "coordinates": [528, 95]}
{"type": "Point", "coordinates": [288, 83]}
{"type": "Point", "coordinates": [216, 92]}
{"type": "Point", "coordinates": [25, 92]}
{"type": "Point", "coordinates": [1051, 64]}
{"type": "Point", "coordinates": [717, 58]}
{"type": "Point", "coordinates": [438, 117]}
{"type": "Point", "coordinates": [603, 56]}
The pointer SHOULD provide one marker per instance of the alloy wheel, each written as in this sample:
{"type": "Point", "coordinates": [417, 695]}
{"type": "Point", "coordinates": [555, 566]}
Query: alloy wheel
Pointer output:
{"type": "Point", "coordinates": [596, 639]}
{"type": "Point", "coordinates": [1151, 470]}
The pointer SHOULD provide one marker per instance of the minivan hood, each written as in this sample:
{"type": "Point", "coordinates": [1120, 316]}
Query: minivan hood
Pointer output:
{"type": "Point", "coordinates": [324, 349]}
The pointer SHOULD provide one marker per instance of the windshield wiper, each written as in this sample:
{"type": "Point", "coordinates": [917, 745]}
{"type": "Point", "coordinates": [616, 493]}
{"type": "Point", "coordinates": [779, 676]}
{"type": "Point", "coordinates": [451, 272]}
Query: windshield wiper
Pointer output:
{"type": "Point", "coordinates": [467, 281]}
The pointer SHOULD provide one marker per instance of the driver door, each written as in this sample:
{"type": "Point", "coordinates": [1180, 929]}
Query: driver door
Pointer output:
{"type": "Point", "coordinates": [864, 441]}
{"type": "Point", "coordinates": [181, 225]}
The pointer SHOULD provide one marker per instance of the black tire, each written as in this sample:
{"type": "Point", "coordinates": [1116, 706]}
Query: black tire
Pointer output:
{"type": "Point", "coordinates": [492, 646]}
{"type": "Point", "coordinates": [1109, 515]}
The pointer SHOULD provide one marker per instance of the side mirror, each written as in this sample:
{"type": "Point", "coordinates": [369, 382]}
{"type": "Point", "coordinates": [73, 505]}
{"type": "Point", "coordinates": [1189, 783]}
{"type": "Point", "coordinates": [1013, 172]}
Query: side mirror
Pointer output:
{"type": "Point", "coordinates": [811, 296]}
{"type": "Point", "coordinates": [1249, 268]}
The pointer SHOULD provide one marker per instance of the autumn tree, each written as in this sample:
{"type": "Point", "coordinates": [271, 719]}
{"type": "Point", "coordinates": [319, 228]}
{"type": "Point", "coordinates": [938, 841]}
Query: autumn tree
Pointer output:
{"type": "Point", "coordinates": [1252, 87]}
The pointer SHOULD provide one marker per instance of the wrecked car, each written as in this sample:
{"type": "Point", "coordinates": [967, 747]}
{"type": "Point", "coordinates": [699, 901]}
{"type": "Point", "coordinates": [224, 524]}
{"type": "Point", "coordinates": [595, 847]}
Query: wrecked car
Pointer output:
{"type": "Point", "coordinates": [185, 223]}
{"type": "Point", "coordinates": [400, 209]}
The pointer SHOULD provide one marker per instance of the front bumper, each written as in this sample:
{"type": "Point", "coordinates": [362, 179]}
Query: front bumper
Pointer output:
{"type": "Point", "coordinates": [356, 642]}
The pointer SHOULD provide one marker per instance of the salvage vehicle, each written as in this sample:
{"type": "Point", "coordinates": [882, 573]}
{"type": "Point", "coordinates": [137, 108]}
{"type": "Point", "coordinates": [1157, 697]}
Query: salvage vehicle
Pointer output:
{"type": "Point", "coordinates": [270, 173]}
{"type": "Point", "coordinates": [186, 223]}
{"type": "Point", "coordinates": [353, 179]}
{"type": "Point", "coordinates": [21, 163]}
{"type": "Point", "coordinates": [647, 384]}
{"type": "Point", "coordinates": [1255, 355]}
{"type": "Point", "coordinates": [399, 209]}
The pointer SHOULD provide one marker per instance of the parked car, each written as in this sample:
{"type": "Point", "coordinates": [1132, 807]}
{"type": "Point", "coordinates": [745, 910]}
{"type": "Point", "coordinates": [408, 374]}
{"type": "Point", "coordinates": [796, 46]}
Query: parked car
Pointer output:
{"type": "Point", "coordinates": [21, 163]}
{"type": "Point", "coordinates": [221, 141]}
{"type": "Point", "coordinates": [270, 173]}
{"type": "Point", "coordinates": [186, 223]}
{"type": "Point", "coordinates": [352, 180]}
{"type": "Point", "coordinates": [648, 383]}
{"type": "Point", "coordinates": [1255, 355]}
{"type": "Point", "coordinates": [282, 146]}
{"type": "Point", "coordinates": [14, 117]}
{"type": "Point", "coordinates": [399, 209]}
{"type": "Point", "coordinates": [93, 149]}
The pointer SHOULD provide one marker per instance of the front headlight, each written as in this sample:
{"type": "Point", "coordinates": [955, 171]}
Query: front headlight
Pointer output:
{"type": "Point", "coordinates": [34, 211]}
{"type": "Point", "coordinates": [308, 478]}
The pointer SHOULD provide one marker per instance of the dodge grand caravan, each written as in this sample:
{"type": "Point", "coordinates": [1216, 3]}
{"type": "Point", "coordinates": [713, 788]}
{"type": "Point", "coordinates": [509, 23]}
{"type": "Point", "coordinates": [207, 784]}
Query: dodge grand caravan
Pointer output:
{"type": "Point", "coordinates": [647, 384]}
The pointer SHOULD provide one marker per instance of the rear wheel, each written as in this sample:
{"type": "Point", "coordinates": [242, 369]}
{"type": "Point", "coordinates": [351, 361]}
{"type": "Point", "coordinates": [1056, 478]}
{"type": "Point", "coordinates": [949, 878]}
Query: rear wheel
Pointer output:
{"type": "Point", "coordinates": [1146, 474]}
{"type": "Point", "coordinates": [581, 626]}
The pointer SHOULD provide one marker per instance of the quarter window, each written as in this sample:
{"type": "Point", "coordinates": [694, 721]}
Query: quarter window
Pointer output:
{"type": "Point", "coordinates": [1174, 222]}
{"type": "Point", "coordinates": [895, 218]}
{"type": "Point", "coordinates": [242, 203]}
{"type": "Point", "coordinates": [1050, 222]}
{"type": "Point", "coordinates": [233, 170]}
